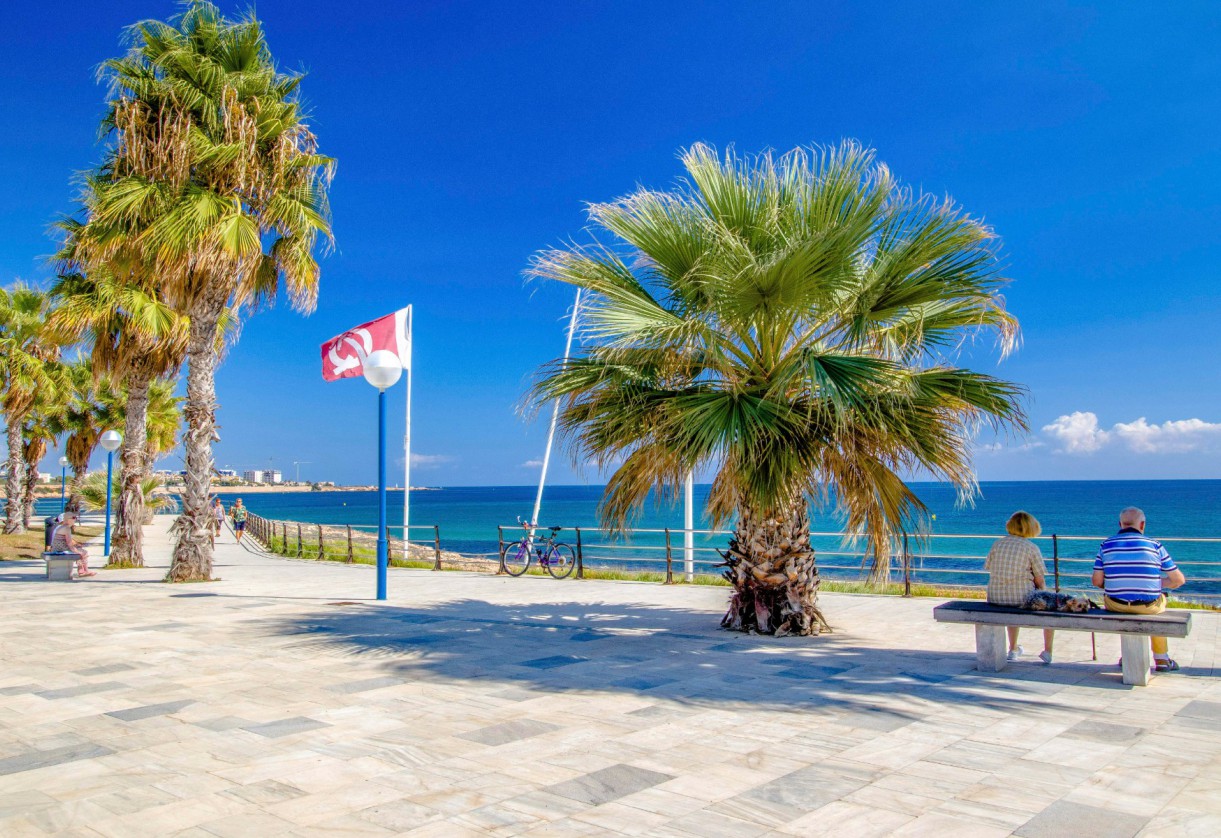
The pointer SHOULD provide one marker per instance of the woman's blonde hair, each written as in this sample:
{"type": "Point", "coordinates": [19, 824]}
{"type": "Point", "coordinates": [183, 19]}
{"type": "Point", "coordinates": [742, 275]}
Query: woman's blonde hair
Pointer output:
{"type": "Point", "coordinates": [1023, 525]}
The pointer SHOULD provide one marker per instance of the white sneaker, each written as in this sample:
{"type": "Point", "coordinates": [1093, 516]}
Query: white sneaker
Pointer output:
{"type": "Point", "coordinates": [1014, 654]}
{"type": "Point", "coordinates": [1045, 656]}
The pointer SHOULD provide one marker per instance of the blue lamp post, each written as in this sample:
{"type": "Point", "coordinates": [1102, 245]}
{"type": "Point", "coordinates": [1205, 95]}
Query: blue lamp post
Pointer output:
{"type": "Point", "coordinates": [111, 440]}
{"type": "Point", "coordinates": [382, 369]}
{"type": "Point", "coordinates": [63, 482]}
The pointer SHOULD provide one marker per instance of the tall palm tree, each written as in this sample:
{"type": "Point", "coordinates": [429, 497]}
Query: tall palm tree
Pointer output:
{"type": "Point", "coordinates": [215, 175]}
{"type": "Point", "coordinates": [791, 323]}
{"type": "Point", "coordinates": [134, 337]}
{"type": "Point", "coordinates": [25, 369]}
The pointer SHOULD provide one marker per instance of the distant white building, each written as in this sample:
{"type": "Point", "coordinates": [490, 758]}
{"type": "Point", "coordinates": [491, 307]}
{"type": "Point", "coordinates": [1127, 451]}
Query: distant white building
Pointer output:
{"type": "Point", "coordinates": [226, 472]}
{"type": "Point", "coordinates": [272, 476]}
{"type": "Point", "coordinates": [253, 476]}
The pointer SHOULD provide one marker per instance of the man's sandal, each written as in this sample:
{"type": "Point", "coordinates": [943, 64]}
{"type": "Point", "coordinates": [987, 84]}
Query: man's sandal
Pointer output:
{"type": "Point", "coordinates": [1165, 666]}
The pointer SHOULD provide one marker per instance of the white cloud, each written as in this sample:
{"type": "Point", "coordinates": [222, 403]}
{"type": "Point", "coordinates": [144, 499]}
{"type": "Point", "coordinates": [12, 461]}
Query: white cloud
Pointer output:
{"type": "Point", "coordinates": [532, 464]}
{"type": "Point", "coordinates": [1077, 433]}
{"type": "Point", "coordinates": [1081, 433]}
{"type": "Point", "coordinates": [429, 460]}
{"type": "Point", "coordinates": [1169, 437]}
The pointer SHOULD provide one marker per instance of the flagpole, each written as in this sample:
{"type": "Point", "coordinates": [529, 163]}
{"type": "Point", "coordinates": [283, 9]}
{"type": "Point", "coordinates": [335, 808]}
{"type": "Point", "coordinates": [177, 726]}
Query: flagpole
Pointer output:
{"type": "Point", "coordinates": [555, 415]}
{"type": "Point", "coordinates": [407, 440]}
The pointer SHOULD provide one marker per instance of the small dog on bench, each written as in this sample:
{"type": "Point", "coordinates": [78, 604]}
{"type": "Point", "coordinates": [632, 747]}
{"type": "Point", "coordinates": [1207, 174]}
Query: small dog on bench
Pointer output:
{"type": "Point", "coordinates": [1053, 601]}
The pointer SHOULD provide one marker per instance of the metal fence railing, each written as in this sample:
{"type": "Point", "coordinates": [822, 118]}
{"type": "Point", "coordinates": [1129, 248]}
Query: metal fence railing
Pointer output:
{"type": "Point", "coordinates": [944, 560]}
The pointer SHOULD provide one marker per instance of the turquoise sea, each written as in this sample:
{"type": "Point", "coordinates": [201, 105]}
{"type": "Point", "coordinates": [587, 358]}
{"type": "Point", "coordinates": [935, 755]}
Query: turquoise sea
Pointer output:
{"type": "Point", "coordinates": [1079, 513]}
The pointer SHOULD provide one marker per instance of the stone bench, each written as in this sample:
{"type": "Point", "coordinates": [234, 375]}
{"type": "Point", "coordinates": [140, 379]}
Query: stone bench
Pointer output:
{"type": "Point", "coordinates": [990, 622]}
{"type": "Point", "coordinates": [60, 566]}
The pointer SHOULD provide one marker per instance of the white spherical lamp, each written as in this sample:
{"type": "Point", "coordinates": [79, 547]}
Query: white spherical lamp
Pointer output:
{"type": "Point", "coordinates": [382, 369]}
{"type": "Point", "coordinates": [111, 440]}
{"type": "Point", "coordinates": [63, 462]}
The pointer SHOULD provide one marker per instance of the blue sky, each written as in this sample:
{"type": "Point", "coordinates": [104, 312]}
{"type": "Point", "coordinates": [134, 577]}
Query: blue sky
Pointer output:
{"type": "Point", "coordinates": [470, 135]}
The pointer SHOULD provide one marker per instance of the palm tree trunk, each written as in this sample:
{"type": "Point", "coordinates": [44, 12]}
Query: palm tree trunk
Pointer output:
{"type": "Point", "coordinates": [773, 573]}
{"type": "Point", "coordinates": [74, 495]}
{"type": "Point", "coordinates": [193, 551]}
{"type": "Point", "coordinates": [32, 454]}
{"type": "Point", "coordinates": [128, 547]}
{"type": "Point", "coordinates": [16, 470]}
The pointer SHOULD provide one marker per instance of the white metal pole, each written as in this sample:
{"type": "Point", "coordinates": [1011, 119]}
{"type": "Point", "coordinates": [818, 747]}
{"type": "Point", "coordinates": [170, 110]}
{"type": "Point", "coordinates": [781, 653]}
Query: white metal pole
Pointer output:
{"type": "Point", "coordinates": [555, 415]}
{"type": "Point", "coordinates": [689, 528]}
{"type": "Point", "coordinates": [407, 438]}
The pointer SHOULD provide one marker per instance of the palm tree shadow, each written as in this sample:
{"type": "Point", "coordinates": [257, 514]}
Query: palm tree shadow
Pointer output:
{"type": "Point", "coordinates": [522, 652]}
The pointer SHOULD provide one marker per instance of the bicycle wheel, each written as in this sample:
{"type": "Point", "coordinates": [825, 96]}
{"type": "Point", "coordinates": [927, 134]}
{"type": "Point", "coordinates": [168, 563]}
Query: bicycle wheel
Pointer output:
{"type": "Point", "coordinates": [561, 560]}
{"type": "Point", "coordinates": [517, 557]}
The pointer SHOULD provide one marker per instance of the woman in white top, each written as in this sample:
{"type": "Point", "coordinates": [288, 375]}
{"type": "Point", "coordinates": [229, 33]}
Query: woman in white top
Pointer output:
{"type": "Point", "coordinates": [63, 542]}
{"type": "Point", "coordinates": [218, 518]}
{"type": "Point", "coordinates": [1016, 570]}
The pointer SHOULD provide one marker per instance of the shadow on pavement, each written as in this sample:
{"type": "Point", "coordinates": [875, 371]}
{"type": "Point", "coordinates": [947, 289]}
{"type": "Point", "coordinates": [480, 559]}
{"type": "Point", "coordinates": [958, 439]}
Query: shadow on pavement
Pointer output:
{"type": "Point", "coordinates": [672, 654]}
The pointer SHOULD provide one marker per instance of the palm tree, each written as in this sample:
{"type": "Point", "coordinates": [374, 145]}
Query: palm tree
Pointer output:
{"type": "Point", "coordinates": [214, 175]}
{"type": "Point", "coordinates": [134, 337]}
{"type": "Point", "coordinates": [791, 323]}
{"type": "Point", "coordinates": [40, 430]}
{"type": "Point", "coordinates": [91, 408]}
{"type": "Point", "coordinates": [164, 421]}
{"type": "Point", "coordinates": [25, 369]}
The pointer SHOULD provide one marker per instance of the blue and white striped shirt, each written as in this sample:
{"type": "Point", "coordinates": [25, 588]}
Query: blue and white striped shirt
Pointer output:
{"type": "Point", "coordinates": [1132, 565]}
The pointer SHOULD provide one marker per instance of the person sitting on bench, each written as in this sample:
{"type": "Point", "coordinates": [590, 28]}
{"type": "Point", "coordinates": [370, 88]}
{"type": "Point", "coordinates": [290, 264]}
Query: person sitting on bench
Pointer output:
{"type": "Point", "coordinates": [1015, 571]}
{"type": "Point", "coordinates": [63, 542]}
{"type": "Point", "coordinates": [1133, 569]}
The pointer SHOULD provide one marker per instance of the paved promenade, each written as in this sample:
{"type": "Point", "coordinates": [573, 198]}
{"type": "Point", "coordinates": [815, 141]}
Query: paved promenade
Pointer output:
{"type": "Point", "coordinates": [284, 701]}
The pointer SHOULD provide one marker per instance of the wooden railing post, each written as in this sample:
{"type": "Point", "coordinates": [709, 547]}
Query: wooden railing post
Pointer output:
{"type": "Point", "coordinates": [500, 539]}
{"type": "Point", "coordinates": [300, 552]}
{"type": "Point", "coordinates": [580, 556]}
{"type": "Point", "coordinates": [669, 560]}
{"type": "Point", "coordinates": [907, 568]}
{"type": "Point", "coordinates": [436, 546]}
{"type": "Point", "coordinates": [321, 548]}
{"type": "Point", "coordinates": [1055, 559]}
{"type": "Point", "coordinates": [350, 558]}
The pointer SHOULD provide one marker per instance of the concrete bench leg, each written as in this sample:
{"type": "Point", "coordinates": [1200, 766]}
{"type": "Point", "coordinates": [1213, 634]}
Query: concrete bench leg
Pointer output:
{"type": "Point", "coordinates": [991, 645]}
{"type": "Point", "coordinates": [1137, 658]}
{"type": "Point", "coordinates": [59, 568]}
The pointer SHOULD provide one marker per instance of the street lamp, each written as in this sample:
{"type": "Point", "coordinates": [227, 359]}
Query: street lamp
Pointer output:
{"type": "Point", "coordinates": [111, 440]}
{"type": "Point", "coordinates": [63, 482]}
{"type": "Point", "coordinates": [382, 369]}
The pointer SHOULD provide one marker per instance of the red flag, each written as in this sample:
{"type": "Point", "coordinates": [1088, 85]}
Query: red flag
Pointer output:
{"type": "Point", "coordinates": [344, 356]}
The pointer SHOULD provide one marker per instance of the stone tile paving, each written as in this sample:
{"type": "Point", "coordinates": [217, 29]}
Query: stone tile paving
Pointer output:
{"type": "Point", "coordinates": [283, 701]}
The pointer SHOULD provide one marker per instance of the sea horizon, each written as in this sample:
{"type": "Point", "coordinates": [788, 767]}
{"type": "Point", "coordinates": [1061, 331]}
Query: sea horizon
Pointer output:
{"type": "Point", "coordinates": [1078, 512]}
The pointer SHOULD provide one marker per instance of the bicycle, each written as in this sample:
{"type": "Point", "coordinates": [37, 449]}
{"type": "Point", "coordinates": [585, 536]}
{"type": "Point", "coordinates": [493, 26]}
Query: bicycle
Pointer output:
{"type": "Point", "coordinates": [557, 557]}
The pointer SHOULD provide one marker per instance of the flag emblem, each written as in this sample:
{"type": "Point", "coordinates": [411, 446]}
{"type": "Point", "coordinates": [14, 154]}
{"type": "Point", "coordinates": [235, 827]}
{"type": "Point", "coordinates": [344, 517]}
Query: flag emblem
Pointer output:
{"type": "Point", "coordinates": [343, 356]}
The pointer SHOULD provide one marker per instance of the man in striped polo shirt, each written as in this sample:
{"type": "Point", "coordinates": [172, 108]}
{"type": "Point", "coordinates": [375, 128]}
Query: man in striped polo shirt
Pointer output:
{"type": "Point", "coordinates": [1133, 570]}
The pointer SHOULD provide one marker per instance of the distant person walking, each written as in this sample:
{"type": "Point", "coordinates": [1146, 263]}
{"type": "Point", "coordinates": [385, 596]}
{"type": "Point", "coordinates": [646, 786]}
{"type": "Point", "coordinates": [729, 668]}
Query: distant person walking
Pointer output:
{"type": "Point", "coordinates": [1133, 570]}
{"type": "Point", "coordinates": [1016, 570]}
{"type": "Point", "coordinates": [238, 513]}
{"type": "Point", "coordinates": [63, 542]}
{"type": "Point", "coordinates": [218, 518]}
